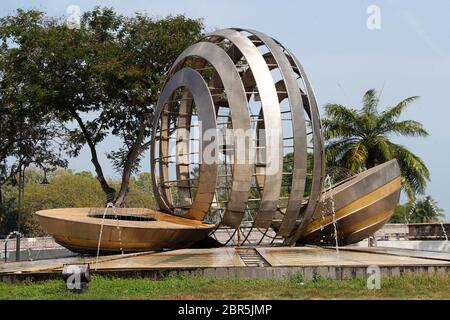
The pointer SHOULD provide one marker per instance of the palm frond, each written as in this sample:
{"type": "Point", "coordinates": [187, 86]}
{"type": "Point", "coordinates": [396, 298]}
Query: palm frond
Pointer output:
{"type": "Point", "coordinates": [394, 112]}
{"type": "Point", "coordinates": [408, 189]}
{"type": "Point", "coordinates": [341, 119]}
{"type": "Point", "coordinates": [355, 157]}
{"type": "Point", "coordinates": [337, 129]}
{"type": "Point", "coordinates": [340, 112]}
{"type": "Point", "coordinates": [370, 102]}
{"type": "Point", "coordinates": [412, 167]}
{"type": "Point", "coordinates": [358, 140]}
{"type": "Point", "coordinates": [426, 210]}
{"type": "Point", "coordinates": [382, 149]}
{"type": "Point", "coordinates": [408, 128]}
{"type": "Point", "coordinates": [336, 149]}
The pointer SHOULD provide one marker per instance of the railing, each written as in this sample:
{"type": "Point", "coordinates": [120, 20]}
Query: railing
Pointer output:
{"type": "Point", "coordinates": [31, 243]}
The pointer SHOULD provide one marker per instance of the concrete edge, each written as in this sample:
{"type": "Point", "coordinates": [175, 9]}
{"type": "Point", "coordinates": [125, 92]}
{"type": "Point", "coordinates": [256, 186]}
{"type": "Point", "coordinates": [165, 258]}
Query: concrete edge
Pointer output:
{"type": "Point", "coordinates": [306, 272]}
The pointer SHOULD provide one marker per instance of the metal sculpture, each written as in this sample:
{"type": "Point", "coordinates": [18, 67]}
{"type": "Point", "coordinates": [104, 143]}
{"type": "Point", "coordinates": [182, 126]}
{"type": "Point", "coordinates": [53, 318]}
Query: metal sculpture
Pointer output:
{"type": "Point", "coordinates": [235, 126]}
{"type": "Point", "coordinates": [244, 81]}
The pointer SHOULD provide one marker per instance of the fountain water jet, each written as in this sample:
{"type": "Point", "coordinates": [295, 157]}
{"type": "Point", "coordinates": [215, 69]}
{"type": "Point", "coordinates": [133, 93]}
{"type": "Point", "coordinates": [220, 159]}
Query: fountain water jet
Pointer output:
{"type": "Point", "coordinates": [329, 183]}
{"type": "Point", "coordinates": [109, 205]}
{"type": "Point", "coordinates": [441, 223]}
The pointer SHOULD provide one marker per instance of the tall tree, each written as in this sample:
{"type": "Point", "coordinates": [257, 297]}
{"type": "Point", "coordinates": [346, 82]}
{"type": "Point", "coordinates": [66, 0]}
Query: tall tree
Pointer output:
{"type": "Point", "coordinates": [101, 79]}
{"type": "Point", "coordinates": [28, 135]}
{"type": "Point", "coordinates": [358, 139]}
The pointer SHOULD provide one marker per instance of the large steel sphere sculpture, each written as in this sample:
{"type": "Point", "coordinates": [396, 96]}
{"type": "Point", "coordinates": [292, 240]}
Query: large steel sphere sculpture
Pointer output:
{"type": "Point", "coordinates": [253, 91]}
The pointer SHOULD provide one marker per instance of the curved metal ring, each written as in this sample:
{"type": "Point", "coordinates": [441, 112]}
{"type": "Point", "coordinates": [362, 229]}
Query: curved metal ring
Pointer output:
{"type": "Point", "coordinates": [318, 152]}
{"type": "Point", "coordinates": [272, 119]}
{"type": "Point", "coordinates": [194, 82]}
{"type": "Point", "coordinates": [240, 119]}
{"type": "Point", "coordinates": [299, 131]}
{"type": "Point", "coordinates": [241, 70]}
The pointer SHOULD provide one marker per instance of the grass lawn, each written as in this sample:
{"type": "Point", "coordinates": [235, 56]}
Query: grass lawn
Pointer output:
{"type": "Point", "coordinates": [404, 287]}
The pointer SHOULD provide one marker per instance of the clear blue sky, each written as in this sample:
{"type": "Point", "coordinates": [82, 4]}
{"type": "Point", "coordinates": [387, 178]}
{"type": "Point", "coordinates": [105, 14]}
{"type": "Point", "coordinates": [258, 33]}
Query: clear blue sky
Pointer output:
{"type": "Point", "coordinates": [409, 55]}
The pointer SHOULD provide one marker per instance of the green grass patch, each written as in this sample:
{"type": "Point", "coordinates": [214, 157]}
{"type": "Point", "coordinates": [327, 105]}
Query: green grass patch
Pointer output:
{"type": "Point", "coordinates": [405, 287]}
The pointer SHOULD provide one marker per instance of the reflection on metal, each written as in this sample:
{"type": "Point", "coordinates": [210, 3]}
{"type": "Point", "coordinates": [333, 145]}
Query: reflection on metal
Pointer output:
{"type": "Point", "coordinates": [236, 123]}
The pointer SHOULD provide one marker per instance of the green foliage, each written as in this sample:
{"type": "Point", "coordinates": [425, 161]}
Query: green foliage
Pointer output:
{"type": "Point", "coordinates": [407, 286]}
{"type": "Point", "coordinates": [426, 210]}
{"type": "Point", "coordinates": [144, 181]}
{"type": "Point", "coordinates": [288, 166]}
{"type": "Point", "coordinates": [111, 68]}
{"type": "Point", "coordinates": [360, 139]}
{"type": "Point", "coordinates": [86, 174]}
{"type": "Point", "coordinates": [66, 189]}
{"type": "Point", "coordinates": [297, 279]}
{"type": "Point", "coordinates": [423, 210]}
{"type": "Point", "coordinates": [401, 214]}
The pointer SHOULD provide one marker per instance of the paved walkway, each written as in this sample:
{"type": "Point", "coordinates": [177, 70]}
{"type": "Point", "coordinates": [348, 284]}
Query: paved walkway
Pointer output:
{"type": "Point", "coordinates": [229, 257]}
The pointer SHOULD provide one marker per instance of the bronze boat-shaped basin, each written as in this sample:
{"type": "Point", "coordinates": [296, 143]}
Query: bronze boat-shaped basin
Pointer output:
{"type": "Point", "coordinates": [78, 229]}
{"type": "Point", "coordinates": [363, 204]}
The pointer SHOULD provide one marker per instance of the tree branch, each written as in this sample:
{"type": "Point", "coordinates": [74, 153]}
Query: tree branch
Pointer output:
{"type": "Point", "coordinates": [109, 191]}
{"type": "Point", "coordinates": [132, 156]}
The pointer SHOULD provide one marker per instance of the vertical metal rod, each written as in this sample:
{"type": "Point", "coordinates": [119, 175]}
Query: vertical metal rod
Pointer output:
{"type": "Point", "coordinates": [20, 205]}
{"type": "Point", "coordinates": [6, 250]}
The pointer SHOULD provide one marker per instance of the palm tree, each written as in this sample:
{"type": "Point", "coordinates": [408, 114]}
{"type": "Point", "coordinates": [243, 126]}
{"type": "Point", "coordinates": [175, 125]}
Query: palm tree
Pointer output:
{"type": "Point", "coordinates": [426, 210]}
{"type": "Point", "coordinates": [360, 139]}
{"type": "Point", "coordinates": [422, 210]}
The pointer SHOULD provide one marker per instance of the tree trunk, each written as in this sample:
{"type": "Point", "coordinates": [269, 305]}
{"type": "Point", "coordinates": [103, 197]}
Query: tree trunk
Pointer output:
{"type": "Point", "coordinates": [132, 156]}
{"type": "Point", "coordinates": [107, 189]}
{"type": "Point", "coordinates": [126, 175]}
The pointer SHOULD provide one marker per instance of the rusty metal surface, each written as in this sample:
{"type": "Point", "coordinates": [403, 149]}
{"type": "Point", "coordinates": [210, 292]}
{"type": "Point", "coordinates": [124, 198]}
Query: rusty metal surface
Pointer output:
{"type": "Point", "coordinates": [429, 231]}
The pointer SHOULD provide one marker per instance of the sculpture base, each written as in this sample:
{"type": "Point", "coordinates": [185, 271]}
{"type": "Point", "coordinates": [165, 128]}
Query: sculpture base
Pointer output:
{"type": "Point", "coordinates": [230, 262]}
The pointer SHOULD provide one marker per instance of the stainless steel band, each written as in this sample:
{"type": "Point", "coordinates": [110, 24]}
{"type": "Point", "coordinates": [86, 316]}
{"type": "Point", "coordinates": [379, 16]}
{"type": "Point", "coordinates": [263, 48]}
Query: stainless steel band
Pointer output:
{"type": "Point", "coordinates": [236, 70]}
{"type": "Point", "coordinates": [194, 82]}
{"type": "Point", "coordinates": [240, 119]}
